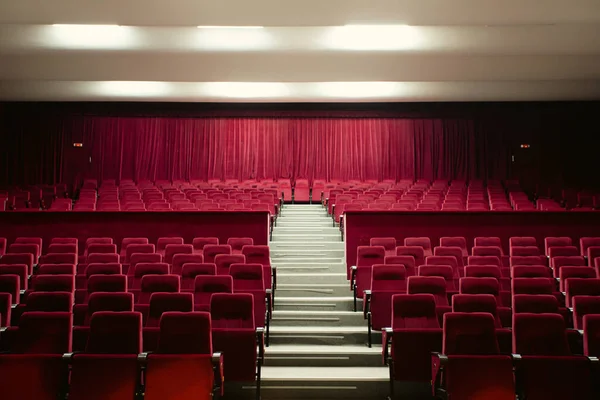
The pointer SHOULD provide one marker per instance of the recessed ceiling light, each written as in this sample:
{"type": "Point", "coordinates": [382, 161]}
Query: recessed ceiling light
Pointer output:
{"type": "Point", "coordinates": [228, 27]}
{"type": "Point", "coordinates": [86, 25]}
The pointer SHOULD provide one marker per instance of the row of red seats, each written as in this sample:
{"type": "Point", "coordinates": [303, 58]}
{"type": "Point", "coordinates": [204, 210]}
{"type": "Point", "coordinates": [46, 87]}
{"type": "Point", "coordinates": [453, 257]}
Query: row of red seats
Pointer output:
{"type": "Point", "coordinates": [389, 279]}
{"type": "Point", "coordinates": [113, 364]}
{"type": "Point", "coordinates": [128, 246]}
{"type": "Point", "coordinates": [463, 357]}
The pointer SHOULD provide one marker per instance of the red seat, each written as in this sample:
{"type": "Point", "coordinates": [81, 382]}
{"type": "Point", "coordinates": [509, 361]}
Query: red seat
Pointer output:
{"type": "Point", "coordinates": [546, 369]}
{"type": "Point", "coordinates": [366, 257]}
{"type": "Point", "coordinates": [587, 242]}
{"type": "Point", "coordinates": [444, 271]}
{"type": "Point", "coordinates": [162, 243]}
{"type": "Point", "coordinates": [407, 261]}
{"type": "Point", "coordinates": [190, 271]}
{"type": "Point", "coordinates": [30, 240]}
{"type": "Point", "coordinates": [53, 283]}
{"type": "Point", "coordinates": [559, 261]}
{"type": "Point", "coordinates": [109, 364]}
{"type": "Point", "coordinates": [550, 242]}
{"type": "Point", "coordinates": [224, 262]}
{"type": "Point", "coordinates": [234, 333]}
{"type": "Point", "coordinates": [181, 368]}
{"type": "Point", "coordinates": [59, 258]}
{"type": "Point", "coordinates": [257, 254]}
{"type": "Point", "coordinates": [581, 287]}
{"type": "Point", "coordinates": [484, 286]}
{"type": "Point", "coordinates": [531, 271]}
{"type": "Point", "coordinates": [248, 278]}
{"type": "Point", "coordinates": [471, 364]}
{"type": "Point", "coordinates": [21, 270]}
{"type": "Point", "coordinates": [582, 306]}
{"type": "Point", "coordinates": [565, 251]}
{"type": "Point", "coordinates": [56, 269]}
{"type": "Point", "coordinates": [520, 241]}
{"type": "Point", "coordinates": [5, 309]}
{"type": "Point", "coordinates": [455, 241]}
{"type": "Point", "coordinates": [137, 248]}
{"type": "Point", "coordinates": [423, 242]}
{"type": "Point", "coordinates": [414, 334]}
{"type": "Point", "coordinates": [34, 369]}
{"type": "Point", "coordinates": [62, 248]}
{"type": "Point", "coordinates": [22, 258]}
{"type": "Point", "coordinates": [126, 242]}
{"type": "Point", "coordinates": [528, 260]}
{"type": "Point", "coordinates": [524, 251]}
{"type": "Point", "coordinates": [591, 335]}
{"type": "Point", "coordinates": [151, 284]}
{"type": "Point", "coordinates": [210, 251]}
{"type": "Point", "coordinates": [487, 251]}
{"type": "Point", "coordinates": [103, 301]}
{"type": "Point", "coordinates": [569, 272]}
{"type": "Point", "coordinates": [388, 243]}
{"type": "Point", "coordinates": [138, 258]}
{"type": "Point", "coordinates": [238, 243]}
{"type": "Point", "coordinates": [484, 260]}
{"type": "Point", "coordinates": [447, 260]}
{"type": "Point", "coordinates": [199, 243]}
{"type": "Point", "coordinates": [488, 241]}
{"type": "Point", "coordinates": [477, 303]}
{"type": "Point", "coordinates": [101, 283]}
{"type": "Point", "coordinates": [386, 281]}
{"type": "Point", "coordinates": [416, 252]}
{"type": "Point", "coordinates": [207, 285]}
{"type": "Point", "coordinates": [434, 285]}
{"type": "Point", "coordinates": [535, 303]}
{"type": "Point", "coordinates": [180, 259]}
{"type": "Point", "coordinates": [142, 269]}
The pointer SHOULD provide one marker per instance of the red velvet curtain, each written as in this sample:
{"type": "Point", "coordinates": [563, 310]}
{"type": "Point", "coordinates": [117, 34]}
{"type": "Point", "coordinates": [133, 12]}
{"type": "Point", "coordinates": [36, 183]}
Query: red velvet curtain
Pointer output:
{"type": "Point", "coordinates": [274, 148]}
{"type": "Point", "coordinates": [253, 148]}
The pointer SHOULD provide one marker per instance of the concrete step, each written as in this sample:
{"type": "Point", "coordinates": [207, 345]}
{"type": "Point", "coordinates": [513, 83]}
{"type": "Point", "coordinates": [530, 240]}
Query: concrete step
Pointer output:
{"type": "Point", "coordinates": [306, 259]}
{"type": "Point", "coordinates": [306, 229]}
{"type": "Point", "coordinates": [284, 277]}
{"type": "Point", "coordinates": [317, 318]}
{"type": "Point", "coordinates": [316, 268]}
{"type": "Point", "coordinates": [286, 302]}
{"type": "Point", "coordinates": [303, 222]}
{"type": "Point", "coordinates": [293, 383]}
{"type": "Point", "coordinates": [307, 255]}
{"type": "Point", "coordinates": [323, 356]}
{"type": "Point", "coordinates": [313, 289]}
{"type": "Point", "coordinates": [303, 237]}
{"type": "Point", "coordinates": [277, 245]}
{"type": "Point", "coordinates": [322, 335]}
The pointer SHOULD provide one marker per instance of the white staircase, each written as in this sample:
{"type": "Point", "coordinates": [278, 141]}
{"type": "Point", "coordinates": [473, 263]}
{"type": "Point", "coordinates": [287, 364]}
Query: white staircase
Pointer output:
{"type": "Point", "coordinates": [318, 344]}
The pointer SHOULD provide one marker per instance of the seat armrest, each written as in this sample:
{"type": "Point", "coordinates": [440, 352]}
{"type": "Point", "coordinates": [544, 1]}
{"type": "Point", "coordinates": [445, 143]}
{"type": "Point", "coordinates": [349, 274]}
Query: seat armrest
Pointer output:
{"type": "Point", "coordinates": [260, 339]}
{"type": "Point", "coordinates": [367, 305]}
{"type": "Point", "coordinates": [352, 276]}
{"type": "Point", "coordinates": [217, 361]}
{"type": "Point", "coordinates": [438, 362]}
{"type": "Point", "coordinates": [387, 334]}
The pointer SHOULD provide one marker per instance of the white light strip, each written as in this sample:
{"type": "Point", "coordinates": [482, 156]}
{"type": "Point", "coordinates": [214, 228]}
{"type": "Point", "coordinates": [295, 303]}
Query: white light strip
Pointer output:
{"type": "Point", "coordinates": [83, 26]}
{"type": "Point", "coordinates": [228, 27]}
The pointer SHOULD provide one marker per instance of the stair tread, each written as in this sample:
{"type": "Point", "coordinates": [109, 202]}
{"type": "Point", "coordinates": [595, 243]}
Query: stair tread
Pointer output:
{"type": "Point", "coordinates": [321, 349]}
{"type": "Point", "coordinates": [318, 329]}
{"type": "Point", "coordinates": [325, 373]}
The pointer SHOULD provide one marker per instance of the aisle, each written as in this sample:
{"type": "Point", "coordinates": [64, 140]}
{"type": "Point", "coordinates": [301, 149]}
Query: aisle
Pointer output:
{"type": "Point", "coordinates": [318, 344]}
